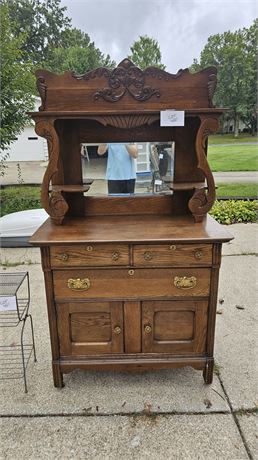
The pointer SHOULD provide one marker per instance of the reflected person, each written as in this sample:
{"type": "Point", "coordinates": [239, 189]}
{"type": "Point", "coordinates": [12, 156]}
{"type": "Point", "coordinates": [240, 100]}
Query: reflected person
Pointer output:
{"type": "Point", "coordinates": [121, 171]}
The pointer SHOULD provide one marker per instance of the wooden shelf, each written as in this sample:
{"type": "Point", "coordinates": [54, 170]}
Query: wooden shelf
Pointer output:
{"type": "Point", "coordinates": [184, 185]}
{"type": "Point", "coordinates": [70, 188]}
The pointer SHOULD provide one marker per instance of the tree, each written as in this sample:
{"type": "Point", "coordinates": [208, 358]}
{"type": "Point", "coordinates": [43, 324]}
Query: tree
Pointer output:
{"type": "Point", "coordinates": [76, 53]}
{"type": "Point", "coordinates": [17, 82]}
{"type": "Point", "coordinates": [42, 23]}
{"type": "Point", "coordinates": [234, 55]}
{"type": "Point", "coordinates": [146, 53]}
{"type": "Point", "coordinates": [49, 40]}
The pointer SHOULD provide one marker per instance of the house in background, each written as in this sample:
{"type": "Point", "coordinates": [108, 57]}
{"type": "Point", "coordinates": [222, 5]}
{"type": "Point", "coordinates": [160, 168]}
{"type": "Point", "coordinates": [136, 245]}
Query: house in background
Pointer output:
{"type": "Point", "coordinates": [28, 146]}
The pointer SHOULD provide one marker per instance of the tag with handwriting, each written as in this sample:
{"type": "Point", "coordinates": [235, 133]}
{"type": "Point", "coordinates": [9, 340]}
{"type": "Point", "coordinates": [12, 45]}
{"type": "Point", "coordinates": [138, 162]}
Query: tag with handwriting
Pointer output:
{"type": "Point", "coordinates": [172, 118]}
{"type": "Point", "coordinates": [7, 303]}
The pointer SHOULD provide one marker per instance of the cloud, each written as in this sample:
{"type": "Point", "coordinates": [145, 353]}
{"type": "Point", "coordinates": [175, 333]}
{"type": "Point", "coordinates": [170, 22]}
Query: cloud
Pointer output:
{"type": "Point", "coordinates": [181, 27]}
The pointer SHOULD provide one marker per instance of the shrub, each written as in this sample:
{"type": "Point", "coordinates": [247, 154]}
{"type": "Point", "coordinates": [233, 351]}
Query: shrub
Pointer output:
{"type": "Point", "coordinates": [232, 212]}
{"type": "Point", "coordinates": [19, 198]}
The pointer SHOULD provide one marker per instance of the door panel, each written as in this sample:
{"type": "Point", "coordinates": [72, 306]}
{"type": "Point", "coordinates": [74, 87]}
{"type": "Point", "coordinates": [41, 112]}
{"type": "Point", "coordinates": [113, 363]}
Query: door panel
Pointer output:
{"type": "Point", "coordinates": [174, 326]}
{"type": "Point", "coordinates": [90, 328]}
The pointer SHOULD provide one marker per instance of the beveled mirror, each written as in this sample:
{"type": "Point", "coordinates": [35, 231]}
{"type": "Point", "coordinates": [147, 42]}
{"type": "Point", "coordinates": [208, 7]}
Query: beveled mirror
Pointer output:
{"type": "Point", "coordinates": [151, 168]}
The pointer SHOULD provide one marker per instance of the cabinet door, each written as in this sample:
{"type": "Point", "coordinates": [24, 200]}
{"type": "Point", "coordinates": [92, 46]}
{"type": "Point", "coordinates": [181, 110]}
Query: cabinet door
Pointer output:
{"type": "Point", "coordinates": [87, 328]}
{"type": "Point", "coordinates": [174, 326]}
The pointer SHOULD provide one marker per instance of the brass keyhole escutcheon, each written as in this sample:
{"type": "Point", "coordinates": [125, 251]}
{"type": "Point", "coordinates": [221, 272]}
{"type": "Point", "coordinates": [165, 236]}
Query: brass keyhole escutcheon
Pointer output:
{"type": "Point", "coordinates": [115, 256]}
{"type": "Point", "coordinates": [147, 329]}
{"type": "Point", "coordinates": [172, 247]}
{"type": "Point", "coordinates": [117, 330]}
{"type": "Point", "coordinates": [89, 248]}
{"type": "Point", "coordinates": [64, 257]}
{"type": "Point", "coordinates": [131, 272]}
{"type": "Point", "coordinates": [198, 254]}
{"type": "Point", "coordinates": [147, 255]}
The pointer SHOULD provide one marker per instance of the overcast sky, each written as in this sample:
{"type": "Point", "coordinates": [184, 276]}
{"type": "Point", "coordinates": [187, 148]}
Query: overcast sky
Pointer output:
{"type": "Point", "coordinates": [181, 27]}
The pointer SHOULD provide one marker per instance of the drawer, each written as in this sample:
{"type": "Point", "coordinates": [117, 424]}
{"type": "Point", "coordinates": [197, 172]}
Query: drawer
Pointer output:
{"type": "Point", "coordinates": [172, 254]}
{"type": "Point", "coordinates": [92, 255]}
{"type": "Point", "coordinates": [138, 283]}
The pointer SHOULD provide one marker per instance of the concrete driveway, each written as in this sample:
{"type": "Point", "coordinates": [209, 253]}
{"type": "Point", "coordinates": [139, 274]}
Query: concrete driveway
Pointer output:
{"type": "Point", "coordinates": [168, 414]}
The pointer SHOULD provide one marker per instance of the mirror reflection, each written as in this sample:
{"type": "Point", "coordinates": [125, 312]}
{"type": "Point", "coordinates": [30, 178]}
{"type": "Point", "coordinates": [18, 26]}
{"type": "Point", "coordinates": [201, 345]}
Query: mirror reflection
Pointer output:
{"type": "Point", "coordinates": [128, 168]}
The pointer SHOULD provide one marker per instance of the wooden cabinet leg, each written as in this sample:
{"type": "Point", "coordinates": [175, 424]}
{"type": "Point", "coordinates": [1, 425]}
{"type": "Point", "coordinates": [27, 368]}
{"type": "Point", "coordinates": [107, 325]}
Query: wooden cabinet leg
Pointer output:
{"type": "Point", "coordinates": [208, 371]}
{"type": "Point", "coordinates": [57, 376]}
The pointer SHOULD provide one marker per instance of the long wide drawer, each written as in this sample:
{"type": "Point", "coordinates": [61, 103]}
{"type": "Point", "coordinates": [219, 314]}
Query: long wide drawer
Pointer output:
{"type": "Point", "coordinates": [172, 255]}
{"type": "Point", "coordinates": [138, 283]}
{"type": "Point", "coordinates": [92, 255]}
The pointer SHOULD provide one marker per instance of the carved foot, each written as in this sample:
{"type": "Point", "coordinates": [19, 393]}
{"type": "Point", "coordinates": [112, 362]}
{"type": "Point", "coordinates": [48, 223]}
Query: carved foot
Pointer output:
{"type": "Point", "coordinates": [208, 372]}
{"type": "Point", "coordinates": [57, 376]}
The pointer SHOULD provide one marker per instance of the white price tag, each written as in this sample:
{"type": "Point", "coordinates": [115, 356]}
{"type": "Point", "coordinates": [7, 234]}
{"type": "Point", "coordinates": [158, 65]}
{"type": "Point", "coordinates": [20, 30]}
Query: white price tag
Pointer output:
{"type": "Point", "coordinates": [7, 303]}
{"type": "Point", "coordinates": [172, 118]}
{"type": "Point", "coordinates": [158, 182]}
{"type": "Point", "coordinates": [161, 156]}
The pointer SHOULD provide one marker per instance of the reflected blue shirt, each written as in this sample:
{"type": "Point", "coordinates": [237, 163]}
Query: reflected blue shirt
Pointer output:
{"type": "Point", "coordinates": [120, 165]}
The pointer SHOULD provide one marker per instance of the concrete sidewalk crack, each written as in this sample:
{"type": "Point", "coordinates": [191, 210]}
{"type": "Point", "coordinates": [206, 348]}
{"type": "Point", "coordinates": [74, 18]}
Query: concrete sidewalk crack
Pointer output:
{"type": "Point", "coordinates": [241, 254]}
{"type": "Point", "coordinates": [234, 415]}
{"type": "Point", "coordinates": [132, 414]}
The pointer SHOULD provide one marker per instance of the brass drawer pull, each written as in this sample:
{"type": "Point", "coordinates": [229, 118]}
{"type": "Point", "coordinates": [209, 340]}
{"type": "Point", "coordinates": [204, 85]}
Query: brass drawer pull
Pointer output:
{"type": "Point", "coordinates": [117, 330]}
{"type": "Point", "coordinates": [185, 282]}
{"type": "Point", "coordinates": [147, 329]}
{"type": "Point", "coordinates": [147, 255]}
{"type": "Point", "coordinates": [78, 284]}
{"type": "Point", "coordinates": [64, 257]}
{"type": "Point", "coordinates": [198, 255]}
{"type": "Point", "coordinates": [172, 247]}
{"type": "Point", "coordinates": [131, 272]}
{"type": "Point", "coordinates": [89, 248]}
{"type": "Point", "coordinates": [115, 255]}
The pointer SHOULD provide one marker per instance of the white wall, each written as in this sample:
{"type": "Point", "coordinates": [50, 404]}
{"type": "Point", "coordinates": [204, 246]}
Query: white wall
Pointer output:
{"type": "Point", "coordinates": [28, 147]}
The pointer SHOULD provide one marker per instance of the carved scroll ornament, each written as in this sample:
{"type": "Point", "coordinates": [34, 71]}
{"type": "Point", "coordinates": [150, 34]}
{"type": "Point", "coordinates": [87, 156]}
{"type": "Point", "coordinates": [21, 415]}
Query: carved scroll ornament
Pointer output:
{"type": "Point", "coordinates": [42, 89]}
{"type": "Point", "coordinates": [54, 204]}
{"type": "Point", "coordinates": [212, 83]}
{"type": "Point", "coordinates": [202, 199]}
{"type": "Point", "coordinates": [127, 121]}
{"type": "Point", "coordinates": [127, 78]}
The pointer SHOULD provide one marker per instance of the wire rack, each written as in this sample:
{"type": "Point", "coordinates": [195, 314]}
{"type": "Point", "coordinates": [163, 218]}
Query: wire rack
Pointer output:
{"type": "Point", "coordinates": [14, 311]}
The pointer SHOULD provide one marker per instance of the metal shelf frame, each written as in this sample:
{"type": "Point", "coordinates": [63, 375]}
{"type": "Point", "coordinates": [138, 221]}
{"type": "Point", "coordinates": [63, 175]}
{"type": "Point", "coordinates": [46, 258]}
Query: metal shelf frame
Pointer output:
{"type": "Point", "coordinates": [14, 358]}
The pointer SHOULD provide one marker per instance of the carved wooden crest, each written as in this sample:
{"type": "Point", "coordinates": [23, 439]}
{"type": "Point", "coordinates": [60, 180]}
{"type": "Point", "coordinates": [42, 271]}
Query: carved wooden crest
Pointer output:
{"type": "Point", "coordinates": [127, 86]}
{"type": "Point", "coordinates": [127, 78]}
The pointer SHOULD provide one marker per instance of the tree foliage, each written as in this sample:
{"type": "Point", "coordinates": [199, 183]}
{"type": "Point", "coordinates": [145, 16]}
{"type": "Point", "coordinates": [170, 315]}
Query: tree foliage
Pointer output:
{"type": "Point", "coordinates": [17, 82]}
{"type": "Point", "coordinates": [234, 55]}
{"type": "Point", "coordinates": [49, 40]}
{"type": "Point", "coordinates": [42, 22]}
{"type": "Point", "coordinates": [37, 33]}
{"type": "Point", "coordinates": [76, 53]}
{"type": "Point", "coordinates": [146, 53]}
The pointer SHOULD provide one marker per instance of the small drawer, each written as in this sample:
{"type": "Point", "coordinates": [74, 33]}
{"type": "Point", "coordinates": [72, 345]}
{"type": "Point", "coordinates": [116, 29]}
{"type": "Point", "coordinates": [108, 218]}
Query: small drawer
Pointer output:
{"type": "Point", "coordinates": [131, 284]}
{"type": "Point", "coordinates": [92, 255]}
{"type": "Point", "coordinates": [172, 255]}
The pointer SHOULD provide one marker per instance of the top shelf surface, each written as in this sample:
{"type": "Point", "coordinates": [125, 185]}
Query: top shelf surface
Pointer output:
{"type": "Point", "coordinates": [130, 229]}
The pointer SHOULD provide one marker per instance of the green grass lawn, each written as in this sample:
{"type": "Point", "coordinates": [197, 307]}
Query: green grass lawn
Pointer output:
{"type": "Point", "coordinates": [230, 139]}
{"type": "Point", "coordinates": [233, 157]}
{"type": "Point", "coordinates": [237, 189]}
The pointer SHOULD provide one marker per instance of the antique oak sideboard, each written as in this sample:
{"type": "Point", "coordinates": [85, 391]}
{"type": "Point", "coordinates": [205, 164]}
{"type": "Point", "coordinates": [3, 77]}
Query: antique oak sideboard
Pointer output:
{"type": "Point", "coordinates": [131, 281]}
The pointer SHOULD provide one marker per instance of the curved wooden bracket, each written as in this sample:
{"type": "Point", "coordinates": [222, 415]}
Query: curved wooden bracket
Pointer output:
{"type": "Point", "coordinates": [202, 199]}
{"type": "Point", "coordinates": [54, 203]}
